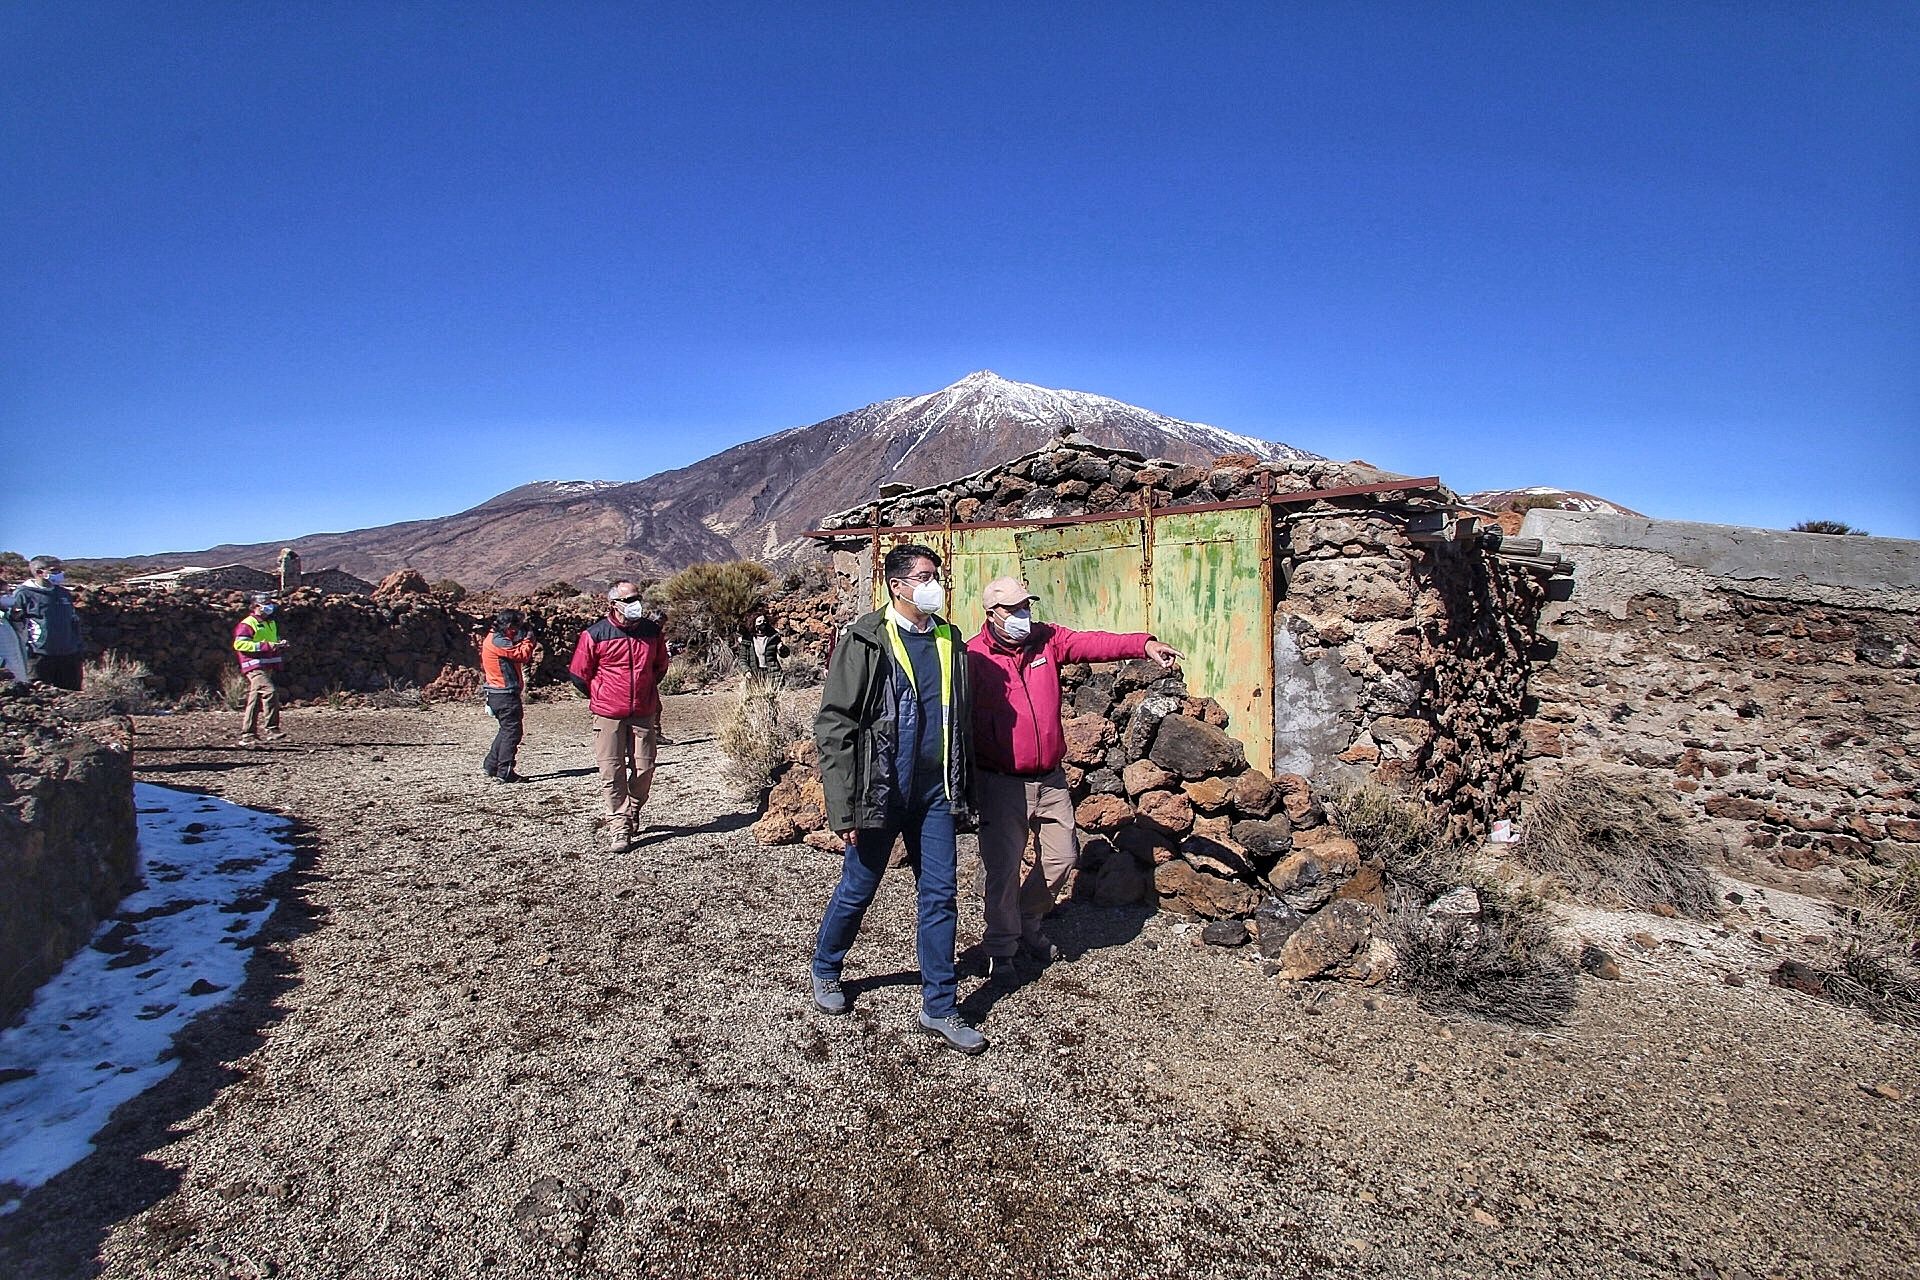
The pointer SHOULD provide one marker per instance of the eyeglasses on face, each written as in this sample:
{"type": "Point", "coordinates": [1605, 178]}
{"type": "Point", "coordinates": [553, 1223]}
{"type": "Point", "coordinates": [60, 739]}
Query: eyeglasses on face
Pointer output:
{"type": "Point", "coordinates": [927, 575]}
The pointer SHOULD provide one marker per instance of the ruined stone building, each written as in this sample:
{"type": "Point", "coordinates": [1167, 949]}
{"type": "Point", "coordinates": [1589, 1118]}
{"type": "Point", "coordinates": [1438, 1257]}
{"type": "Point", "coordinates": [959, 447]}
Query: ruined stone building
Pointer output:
{"type": "Point", "coordinates": [1342, 624]}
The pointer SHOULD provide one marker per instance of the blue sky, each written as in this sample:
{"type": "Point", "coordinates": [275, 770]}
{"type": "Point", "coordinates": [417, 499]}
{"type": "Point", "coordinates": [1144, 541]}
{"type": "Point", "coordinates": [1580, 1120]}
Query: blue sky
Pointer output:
{"type": "Point", "coordinates": [275, 269]}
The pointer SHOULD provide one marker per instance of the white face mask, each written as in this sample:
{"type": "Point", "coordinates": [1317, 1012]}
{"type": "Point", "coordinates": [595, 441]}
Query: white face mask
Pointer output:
{"type": "Point", "coordinates": [1017, 627]}
{"type": "Point", "coordinates": [929, 597]}
{"type": "Point", "coordinates": [632, 610]}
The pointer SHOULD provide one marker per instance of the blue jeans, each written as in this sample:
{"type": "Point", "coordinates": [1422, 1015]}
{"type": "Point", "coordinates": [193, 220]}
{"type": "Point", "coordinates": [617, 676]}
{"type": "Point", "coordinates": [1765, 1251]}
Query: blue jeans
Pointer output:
{"type": "Point", "coordinates": [928, 832]}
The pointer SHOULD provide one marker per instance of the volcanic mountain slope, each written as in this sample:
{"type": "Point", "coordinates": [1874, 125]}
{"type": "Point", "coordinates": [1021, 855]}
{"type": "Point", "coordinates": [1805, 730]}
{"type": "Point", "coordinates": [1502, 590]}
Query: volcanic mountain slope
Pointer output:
{"type": "Point", "coordinates": [1544, 496]}
{"type": "Point", "coordinates": [752, 500]}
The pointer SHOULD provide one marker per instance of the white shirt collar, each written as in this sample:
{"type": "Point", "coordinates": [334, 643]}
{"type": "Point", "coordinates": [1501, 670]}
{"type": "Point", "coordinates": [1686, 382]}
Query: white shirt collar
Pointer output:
{"type": "Point", "coordinates": [894, 616]}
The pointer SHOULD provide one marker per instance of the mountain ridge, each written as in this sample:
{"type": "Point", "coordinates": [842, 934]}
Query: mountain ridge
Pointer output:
{"type": "Point", "coordinates": [752, 499]}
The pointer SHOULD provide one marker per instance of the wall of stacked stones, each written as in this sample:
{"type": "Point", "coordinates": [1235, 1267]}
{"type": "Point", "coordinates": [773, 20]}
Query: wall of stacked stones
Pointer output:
{"type": "Point", "coordinates": [1772, 680]}
{"type": "Point", "coordinates": [68, 843]}
{"type": "Point", "coordinates": [1402, 662]}
{"type": "Point", "coordinates": [398, 638]}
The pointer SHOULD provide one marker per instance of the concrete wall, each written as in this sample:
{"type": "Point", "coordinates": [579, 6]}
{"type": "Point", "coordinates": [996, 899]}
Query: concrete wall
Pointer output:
{"type": "Point", "coordinates": [1771, 678]}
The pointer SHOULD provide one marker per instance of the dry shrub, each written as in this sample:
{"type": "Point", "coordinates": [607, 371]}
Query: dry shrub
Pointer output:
{"type": "Point", "coordinates": [395, 694]}
{"type": "Point", "coordinates": [684, 672]}
{"type": "Point", "coordinates": [233, 688]}
{"type": "Point", "coordinates": [1896, 898]}
{"type": "Point", "coordinates": [1618, 842]}
{"type": "Point", "coordinates": [801, 669]}
{"type": "Point", "coordinates": [1876, 977]}
{"type": "Point", "coordinates": [1507, 966]}
{"type": "Point", "coordinates": [1399, 834]}
{"type": "Point", "coordinates": [112, 686]}
{"type": "Point", "coordinates": [754, 737]}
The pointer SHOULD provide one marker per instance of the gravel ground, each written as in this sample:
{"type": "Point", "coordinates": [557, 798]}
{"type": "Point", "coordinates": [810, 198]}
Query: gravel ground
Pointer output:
{"type": "Point", "coordinates": [477, 1044]}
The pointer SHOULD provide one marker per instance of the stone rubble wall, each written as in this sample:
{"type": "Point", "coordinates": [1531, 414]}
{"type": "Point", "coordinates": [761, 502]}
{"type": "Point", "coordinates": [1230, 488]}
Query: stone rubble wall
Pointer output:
{"type": "Point", "coordinates": [1405, 663]}
{"type": "Point", "coordinates": [1772, 680]}
{"type": "Point", "coordinates": [403, 636]}
{"type": "Point", "coordinates": [68, 844]}
{"type": "Point", "coordinates": [1074, 479]}
{"type": "Point", "coordinates": [1171, 815]}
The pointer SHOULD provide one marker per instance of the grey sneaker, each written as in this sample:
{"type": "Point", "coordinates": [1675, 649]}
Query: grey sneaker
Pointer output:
{"type": "Point", "coordinates": [829, 996]}
{"type": "Point", "coordinates": [956, 1034]}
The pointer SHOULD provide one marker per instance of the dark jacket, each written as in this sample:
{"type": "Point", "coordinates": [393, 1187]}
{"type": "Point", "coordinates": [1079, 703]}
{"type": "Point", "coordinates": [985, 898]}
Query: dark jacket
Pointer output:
{"type": "Point", "coordinates": [45, 618]}
{"type": "Point", "coordinates": [618, 665]}
{"type": "Point", "coordinates": [858, 730]}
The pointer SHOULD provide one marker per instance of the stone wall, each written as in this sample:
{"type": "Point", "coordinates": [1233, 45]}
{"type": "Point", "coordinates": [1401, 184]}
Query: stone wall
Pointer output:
{"type": "Point", "coordinates": [1171, 815]}
{"type": "Point", "coordinates": [1770, 679]}
{"type": "Point", "coordinates": [1404, 661]}
{"type": "Point", "coordinates": [68, 844]}
{"type": "Point", "coordinates": [401, 636]}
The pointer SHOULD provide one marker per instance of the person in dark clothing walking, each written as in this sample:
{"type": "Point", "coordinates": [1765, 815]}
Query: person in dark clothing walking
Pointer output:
{"type": "Point", "coordinates": [504, 655]}
{"type": "Point", "coordinates": [895, 735]}
{"type": "Point", "coordinates": [49, 628]}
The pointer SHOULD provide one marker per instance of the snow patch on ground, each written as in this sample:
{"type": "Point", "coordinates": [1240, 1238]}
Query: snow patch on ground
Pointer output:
{"type": "Point", "coordinates": [97, 1031]}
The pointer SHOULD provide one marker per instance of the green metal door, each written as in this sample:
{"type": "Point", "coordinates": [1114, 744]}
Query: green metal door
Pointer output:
{"type": "Point", "coordinates": [971, 558]}
{"type": "Point", "coordinates": [1088, 576]}
{"type": "Point", "coordinates": [1212, 599]}
{"type": "Point", "coordinates": [978, 556]}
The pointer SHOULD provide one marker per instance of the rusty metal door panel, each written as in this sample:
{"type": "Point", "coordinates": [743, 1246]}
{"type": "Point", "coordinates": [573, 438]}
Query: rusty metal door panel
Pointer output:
{"type": "Point", "coordinates": [978, 557]}
{"type": "Point", "coordinates": [1088, 576]}
{"type": "Point", "coordinates": [1212, 597]}
{"type": "Point", "coordinates": [888, 540]}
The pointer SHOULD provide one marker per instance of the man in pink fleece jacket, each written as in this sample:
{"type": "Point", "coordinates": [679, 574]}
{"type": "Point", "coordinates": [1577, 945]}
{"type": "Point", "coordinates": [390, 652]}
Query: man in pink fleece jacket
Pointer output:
{"type": "Point", "coordinates": [1018, 744]}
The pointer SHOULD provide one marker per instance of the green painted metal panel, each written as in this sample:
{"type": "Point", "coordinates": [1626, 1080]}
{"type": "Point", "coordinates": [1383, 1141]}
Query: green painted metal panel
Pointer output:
{"type": "Point", "coordinates": [977, 558]}
{"type": "Point", "coordinates": [1202, 581]}
{"type": "Point", "coordinates": [1213, 600]}
{"type": "Point", "coordinates": [1088, 576]}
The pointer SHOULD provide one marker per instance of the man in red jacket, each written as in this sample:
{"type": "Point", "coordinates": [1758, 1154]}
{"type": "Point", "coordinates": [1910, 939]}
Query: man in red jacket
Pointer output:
{"type": "Point", "coordinates": [1018, 744]}
{"type": "Point", "coordinates": [618, 664]}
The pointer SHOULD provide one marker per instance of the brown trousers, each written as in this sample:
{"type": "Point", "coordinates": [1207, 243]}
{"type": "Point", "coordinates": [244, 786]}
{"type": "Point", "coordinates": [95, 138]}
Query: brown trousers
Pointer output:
{"type": "Point", "coordinates": [626, 750]}
{"type": "Point", "coordinates": [263, 704]}
{"type": "Point", "coordinates": [1010, 809]}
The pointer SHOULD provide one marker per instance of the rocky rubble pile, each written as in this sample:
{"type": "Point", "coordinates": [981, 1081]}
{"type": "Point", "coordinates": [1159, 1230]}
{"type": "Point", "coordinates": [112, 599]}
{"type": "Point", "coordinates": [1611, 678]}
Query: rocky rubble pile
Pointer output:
{"type": "Point", "coordinates": [1172, 815]}
{"type": "Point", "coordinates": [1073, 477]}
{"type": "Point", "coordinates": [67, 837]}
{"type": "Point", "coordinates": [404, 636]}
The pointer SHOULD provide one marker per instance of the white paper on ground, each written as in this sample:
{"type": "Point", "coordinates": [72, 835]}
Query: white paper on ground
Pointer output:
{"type": "Point", "coordinates": [96, 1031]}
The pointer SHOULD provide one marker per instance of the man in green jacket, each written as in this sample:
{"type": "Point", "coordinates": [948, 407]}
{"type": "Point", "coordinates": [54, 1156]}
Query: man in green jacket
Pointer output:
{"type": "Point", "coordinates": [896, 759]}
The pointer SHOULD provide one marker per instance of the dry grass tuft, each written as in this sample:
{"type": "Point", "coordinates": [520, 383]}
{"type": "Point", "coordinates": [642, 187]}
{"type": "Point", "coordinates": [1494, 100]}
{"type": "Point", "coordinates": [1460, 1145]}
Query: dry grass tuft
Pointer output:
{"type": "Point", "coordinates": [1618, 842]}
{"type": "Point", "coordinates": [233, 689]}
{"type": "Point", "coordinates": [1399, 834]}
{"type": "Point", "coordinates": [754, 737]}
{"type": "Point", "coordinates": [1896, 899]}
{"type": "Point", "coordinates": [1508, 966]}
{"type": "Point", "coordinates": [112, 686]}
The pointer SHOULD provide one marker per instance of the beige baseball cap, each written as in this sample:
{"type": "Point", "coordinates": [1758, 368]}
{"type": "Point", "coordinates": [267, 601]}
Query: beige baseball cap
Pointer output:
{"type": "Point", "coordinates": [1006, 591]}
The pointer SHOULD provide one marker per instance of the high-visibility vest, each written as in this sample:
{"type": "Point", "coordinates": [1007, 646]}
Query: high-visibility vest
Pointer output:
{"type": "Point", "coordinates": [943, 638]}
{"type": "Point", "coordinates": [265, 632]}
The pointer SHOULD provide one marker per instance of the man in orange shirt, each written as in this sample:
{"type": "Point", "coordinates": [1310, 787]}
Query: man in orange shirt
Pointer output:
{"type": "Point", "coordinates": [504, 655]}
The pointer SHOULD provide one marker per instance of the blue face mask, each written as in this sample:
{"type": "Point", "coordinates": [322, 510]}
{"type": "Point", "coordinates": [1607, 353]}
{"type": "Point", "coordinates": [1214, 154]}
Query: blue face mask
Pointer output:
{"type": "Point", "coordinates": [57, 577]}
{"type": "Point", "coordinates": [265, 611]}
